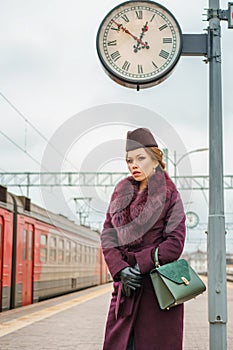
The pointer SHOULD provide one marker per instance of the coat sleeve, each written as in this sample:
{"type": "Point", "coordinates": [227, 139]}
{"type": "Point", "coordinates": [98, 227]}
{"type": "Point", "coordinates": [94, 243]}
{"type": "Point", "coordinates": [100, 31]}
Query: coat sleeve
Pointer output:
{"type": "Point", "coordinates": [174, 233]}
{"type": "Point", "coordinates": [111, 251]}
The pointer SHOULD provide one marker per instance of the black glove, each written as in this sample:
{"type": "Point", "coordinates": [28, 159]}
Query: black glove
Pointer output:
{"type": "Point", "coordinates": [126, 290]}
{"type": "Point", "coordinates": [131, 279]}
{"type": "Point", "coordinates": [136, 267]}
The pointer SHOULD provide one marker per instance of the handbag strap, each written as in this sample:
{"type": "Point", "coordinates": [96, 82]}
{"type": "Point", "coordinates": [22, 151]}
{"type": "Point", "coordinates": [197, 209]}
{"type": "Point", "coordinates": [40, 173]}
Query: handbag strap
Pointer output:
{"type": "Point", "coordinates": [156, 257]}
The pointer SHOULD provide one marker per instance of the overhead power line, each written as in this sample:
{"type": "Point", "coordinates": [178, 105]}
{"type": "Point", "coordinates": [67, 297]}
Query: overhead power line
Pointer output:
{"type": "Point", "coordinates": [20, 148]}
{"type": "Point", "coordinates": [36, 130]}
{"type": "Point", "coordinates": [22, 116]}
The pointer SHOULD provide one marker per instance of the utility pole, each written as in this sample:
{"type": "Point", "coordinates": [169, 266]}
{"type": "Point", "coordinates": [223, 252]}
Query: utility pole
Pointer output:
{"type": "Point", "coordinates": [82, 208]}
{"type": "Point", "coordinates": [216, 242]}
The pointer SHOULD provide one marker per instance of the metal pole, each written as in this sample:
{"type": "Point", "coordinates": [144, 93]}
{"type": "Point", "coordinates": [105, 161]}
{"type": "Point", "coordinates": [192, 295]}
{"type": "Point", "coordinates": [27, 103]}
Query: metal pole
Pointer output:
{"type": "Point", "coordinates": [165, 157]}
{"type": "Point", "coordinates": [217, 292]}
{"type": "Point", "coordinates": [28, 184]}
{"type": "Point", "coordinates": [175, 168]}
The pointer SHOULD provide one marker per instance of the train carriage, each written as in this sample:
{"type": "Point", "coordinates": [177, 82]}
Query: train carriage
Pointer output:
{"type": "Point", "coordinates": [44, 254]}
{"type": "Point", "coordinates": [6, 238]}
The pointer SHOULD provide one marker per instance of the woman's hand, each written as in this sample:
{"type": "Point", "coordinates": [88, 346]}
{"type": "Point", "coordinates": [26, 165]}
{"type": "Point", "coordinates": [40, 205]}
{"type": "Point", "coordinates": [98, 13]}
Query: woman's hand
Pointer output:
{"type": "Point", "coordinates": [131, 279]}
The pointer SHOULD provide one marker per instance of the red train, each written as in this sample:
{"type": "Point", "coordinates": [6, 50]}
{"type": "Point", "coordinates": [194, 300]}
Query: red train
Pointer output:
{"type": "Point", "coordinates": [43, 254]}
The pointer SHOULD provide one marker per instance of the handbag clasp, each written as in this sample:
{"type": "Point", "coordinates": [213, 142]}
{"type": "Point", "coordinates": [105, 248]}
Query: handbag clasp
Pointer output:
{"type": "Point", "coordinates": [186, 282]}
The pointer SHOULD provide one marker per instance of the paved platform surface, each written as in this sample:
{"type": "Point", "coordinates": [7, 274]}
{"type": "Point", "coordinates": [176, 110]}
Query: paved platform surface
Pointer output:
{"type": "Point", "coordinates": [76, 322]}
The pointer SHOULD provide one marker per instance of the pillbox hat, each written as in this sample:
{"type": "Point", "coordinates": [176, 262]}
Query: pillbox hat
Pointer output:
{"type": "Point", "coordinates": [140, 138]}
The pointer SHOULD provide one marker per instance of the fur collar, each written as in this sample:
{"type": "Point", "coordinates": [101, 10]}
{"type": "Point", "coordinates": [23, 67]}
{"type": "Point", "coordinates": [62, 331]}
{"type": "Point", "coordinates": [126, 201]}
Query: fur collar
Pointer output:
{"type": "Point", "coordinates": [134, 213]}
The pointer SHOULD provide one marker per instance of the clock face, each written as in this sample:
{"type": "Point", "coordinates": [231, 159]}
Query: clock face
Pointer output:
{"type": "Point", "coordinates": [139, 43]}
{"type": "Point", "coordinates": [192, 219]}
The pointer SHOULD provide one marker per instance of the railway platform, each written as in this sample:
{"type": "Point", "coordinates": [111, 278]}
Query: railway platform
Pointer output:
{"type": "Point", "coordinates": [76, 322]}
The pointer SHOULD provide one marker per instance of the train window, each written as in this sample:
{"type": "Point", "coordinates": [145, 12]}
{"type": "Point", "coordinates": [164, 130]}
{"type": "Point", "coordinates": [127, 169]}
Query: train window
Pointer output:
{"type": "Point", "coordinates": [92, 255]}
{"type": "Point", "coordinates": [52, 249]}
{"type": "Point", "coordinates": [78, 253]}
{"type": "Point", "coordinates": [85, 254]}
{"type": "Point", "coordinates": [43, 248]}
{"type": "Point", "coordinates": [68, 251]}
{"type": "Point", "coordinates": [95, 255]}
{"type": "Point", "coordinates": [73, 252]}
{"type": "Point", "coordinates": [43, 239]}
{"type": "Point", "coordinates": [88, 255]}
{"type": "Point", "coordinates": [61, 251]}
{"type": "Point", "coordinates": [81, 254]}
{"type": "Point", "coordinates": [24, 244]}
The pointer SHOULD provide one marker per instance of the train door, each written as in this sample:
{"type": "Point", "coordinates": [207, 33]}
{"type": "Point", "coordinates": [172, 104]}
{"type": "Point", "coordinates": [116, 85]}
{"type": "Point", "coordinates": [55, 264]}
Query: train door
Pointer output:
{"type": "Point", "coordinates": [27, 264]}
{"type": "Point", "coordinates": [1, 258]}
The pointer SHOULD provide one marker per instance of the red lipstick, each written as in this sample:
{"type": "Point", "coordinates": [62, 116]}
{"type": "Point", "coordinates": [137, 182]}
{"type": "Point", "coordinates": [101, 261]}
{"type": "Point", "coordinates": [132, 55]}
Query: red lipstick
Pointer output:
{"type": "Point", "coordinates": [136, 173]}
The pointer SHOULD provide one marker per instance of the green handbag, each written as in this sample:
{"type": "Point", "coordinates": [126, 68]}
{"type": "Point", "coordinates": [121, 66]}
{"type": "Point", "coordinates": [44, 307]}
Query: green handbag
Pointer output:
{"type": "Point", "coordinates": [175, 282]}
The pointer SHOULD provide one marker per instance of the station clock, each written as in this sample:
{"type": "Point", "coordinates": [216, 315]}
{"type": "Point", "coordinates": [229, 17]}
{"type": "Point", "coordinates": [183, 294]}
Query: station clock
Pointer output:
{"type": "Point", "coordinates": [192, 219]}
{"type": "Point", "coordinates": [139, 43]}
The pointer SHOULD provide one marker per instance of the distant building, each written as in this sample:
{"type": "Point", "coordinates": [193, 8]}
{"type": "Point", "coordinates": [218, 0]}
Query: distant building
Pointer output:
{"type": "Point", "coordinates": [229, 258]}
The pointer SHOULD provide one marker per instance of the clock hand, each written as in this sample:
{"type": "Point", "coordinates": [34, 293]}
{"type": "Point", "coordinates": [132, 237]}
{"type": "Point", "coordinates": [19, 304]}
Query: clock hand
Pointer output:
{"type": "Point", "coordinates": [144, 29]}
{"type": "Point", "coordinates": [137, 47]}
{"type": "Point", "coordinates": [139, 41]}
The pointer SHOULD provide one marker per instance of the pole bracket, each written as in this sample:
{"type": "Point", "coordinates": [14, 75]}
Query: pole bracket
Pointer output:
{"type": "Point", "coordinates": [218, 13]}
{"type": "Point", "coordinates": [223, 15]}
{"type": "Point", "coordinates": [212, 13]}
{"type": "Point", "coordinates": [195, 45]}
{"type": "Point", "coordinates": [213, 31]}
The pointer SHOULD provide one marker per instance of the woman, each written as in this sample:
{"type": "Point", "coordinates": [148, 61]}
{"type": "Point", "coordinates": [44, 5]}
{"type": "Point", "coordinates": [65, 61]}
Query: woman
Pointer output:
{"type": "Point", "coordinates": [145, 212]}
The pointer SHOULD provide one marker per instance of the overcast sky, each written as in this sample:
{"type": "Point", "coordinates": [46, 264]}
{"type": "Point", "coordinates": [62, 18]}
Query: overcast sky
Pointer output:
{"type": "Point", "coordinates": [50, 72]}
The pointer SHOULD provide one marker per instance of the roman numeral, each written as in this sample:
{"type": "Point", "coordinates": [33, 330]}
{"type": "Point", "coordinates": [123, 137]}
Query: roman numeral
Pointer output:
{"type": "Point", "coordinates": [126, 66]}
{"type": "Point", "coordinates": [140, 70]}
{"type": "Point", "coordinates": [139, 14]}
{"type": "Point", "coordinates": [154, 64]}
{"type": "Point", "coordinates": [115, 56]}
{"type": "Point", "coordinates": [125, 18]}
{"type": "Point", "coordinates": [164, 54]}
{"type": "Point", "coordinates": [163, 27]}
{"type": "Point", "coordinates": [112, 43]}
{"type": "Point", "coordinates": [167, 40]}
{"type": "Point", "coordinates": [152, 18]}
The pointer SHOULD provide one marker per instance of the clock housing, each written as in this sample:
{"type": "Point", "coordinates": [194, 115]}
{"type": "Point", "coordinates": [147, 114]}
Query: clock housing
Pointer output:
{"type": "Point", "coordinates": [192, 219]}
{"type": "Point", "coordinates": [139, 43]}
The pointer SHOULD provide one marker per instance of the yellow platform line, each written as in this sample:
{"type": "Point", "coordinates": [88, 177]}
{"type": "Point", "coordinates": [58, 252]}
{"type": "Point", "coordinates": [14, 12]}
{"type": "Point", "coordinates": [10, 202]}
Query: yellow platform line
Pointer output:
{"type": "Point", "coordinates": [24, 321]}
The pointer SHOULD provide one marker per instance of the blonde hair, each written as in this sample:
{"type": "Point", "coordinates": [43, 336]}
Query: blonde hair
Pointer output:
{"type": "Point", "coordinates": [156, 154]}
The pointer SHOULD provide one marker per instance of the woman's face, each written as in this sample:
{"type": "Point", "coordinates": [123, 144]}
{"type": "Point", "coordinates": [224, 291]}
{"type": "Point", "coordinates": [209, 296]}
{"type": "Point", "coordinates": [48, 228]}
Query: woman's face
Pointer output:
{"type": "Point", "coordinates": [140, 164]}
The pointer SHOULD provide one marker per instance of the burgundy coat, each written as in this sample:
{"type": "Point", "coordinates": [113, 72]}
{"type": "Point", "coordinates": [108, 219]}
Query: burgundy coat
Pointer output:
{"type": "Point", "coordinates": [136, 223]}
